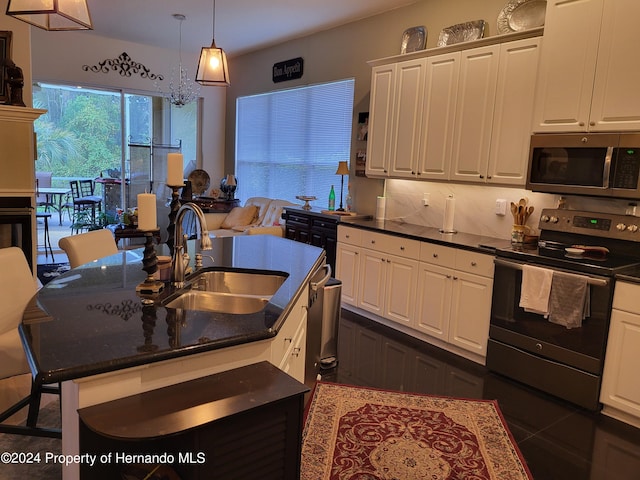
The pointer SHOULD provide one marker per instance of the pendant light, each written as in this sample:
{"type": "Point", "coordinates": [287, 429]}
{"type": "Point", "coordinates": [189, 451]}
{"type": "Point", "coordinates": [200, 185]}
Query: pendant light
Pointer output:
{"type": "Point", "coordinates": [53, 15]}
{"type": "Point", "coordinates": [212, 67]}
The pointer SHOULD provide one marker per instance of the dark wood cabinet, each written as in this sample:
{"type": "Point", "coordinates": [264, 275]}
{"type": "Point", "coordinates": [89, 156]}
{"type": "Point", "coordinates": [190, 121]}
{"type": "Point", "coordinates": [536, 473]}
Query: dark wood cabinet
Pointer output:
{"type": "Point", "coordinates": [315, 228]}
{"type": "Point", "coordinates": [243, 423]}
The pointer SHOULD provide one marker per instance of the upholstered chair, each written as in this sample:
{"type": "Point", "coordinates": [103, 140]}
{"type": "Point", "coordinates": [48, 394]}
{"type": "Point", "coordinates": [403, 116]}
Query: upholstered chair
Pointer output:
{"type": "Point", "coordinates": [87, 247]}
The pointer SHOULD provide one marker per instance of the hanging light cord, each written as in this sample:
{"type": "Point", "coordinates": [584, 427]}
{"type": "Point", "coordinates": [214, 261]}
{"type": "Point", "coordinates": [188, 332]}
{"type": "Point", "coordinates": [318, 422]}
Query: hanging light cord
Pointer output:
{"type": "Point", "coordinates": [213, 21]}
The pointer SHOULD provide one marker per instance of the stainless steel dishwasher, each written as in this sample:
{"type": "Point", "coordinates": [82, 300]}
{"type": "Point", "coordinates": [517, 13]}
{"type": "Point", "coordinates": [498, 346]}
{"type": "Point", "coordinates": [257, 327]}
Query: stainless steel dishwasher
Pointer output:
{"type": "Point", "coordinates": [322, 323]}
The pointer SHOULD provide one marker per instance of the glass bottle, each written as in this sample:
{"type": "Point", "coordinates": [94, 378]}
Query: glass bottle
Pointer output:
{"type": "Point", "coordinates": [332, 199]}
{"type": "Point", "coordinates": [349, 200]}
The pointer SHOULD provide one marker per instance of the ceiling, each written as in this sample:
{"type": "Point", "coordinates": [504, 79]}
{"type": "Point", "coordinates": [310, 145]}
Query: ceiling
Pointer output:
{"type": "Point", "coordinates": [240, 25]}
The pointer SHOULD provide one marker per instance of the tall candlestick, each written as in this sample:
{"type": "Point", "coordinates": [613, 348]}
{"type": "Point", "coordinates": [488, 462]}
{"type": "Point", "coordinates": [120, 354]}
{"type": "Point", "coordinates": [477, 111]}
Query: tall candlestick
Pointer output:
{"type": "Point", "coordinates": [175, 166]}
{"type": "Point", "coordinates": [147, 217]}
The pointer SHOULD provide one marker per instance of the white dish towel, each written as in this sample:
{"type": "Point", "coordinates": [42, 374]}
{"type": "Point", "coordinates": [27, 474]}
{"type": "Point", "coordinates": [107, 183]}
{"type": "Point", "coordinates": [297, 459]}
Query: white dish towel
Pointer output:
{"type": "Point", "coordinates": [535, 290]}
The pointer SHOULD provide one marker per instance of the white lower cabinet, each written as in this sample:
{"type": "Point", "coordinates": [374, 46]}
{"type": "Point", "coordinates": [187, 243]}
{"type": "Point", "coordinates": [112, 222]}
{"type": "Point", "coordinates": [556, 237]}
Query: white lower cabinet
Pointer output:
{"type": "Point", "coordinates": [288, 349]}
{"type": "Point", "coordinates": [620, 393]}
{"type": "Point", "coordinates": [441, 292]}
{"type": "Point", "coordinates": [454, 297]}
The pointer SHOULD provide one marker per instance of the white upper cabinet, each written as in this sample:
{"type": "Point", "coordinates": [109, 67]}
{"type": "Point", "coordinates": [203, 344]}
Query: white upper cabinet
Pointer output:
{"type": "Point", "coordinates": [474, 113]}
{"type": "Point", "coordinates": [463, 115]}
{"type": "Point", "coordinates": [587, 80]}
{"type": "Point", "coordinates": [383, 80]}
{"type": "Point", "coordinates": [513, 111]}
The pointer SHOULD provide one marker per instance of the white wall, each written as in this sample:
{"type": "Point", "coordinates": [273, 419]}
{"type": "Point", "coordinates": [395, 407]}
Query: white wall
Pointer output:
{"type": "Point", "coordinates": [59, 57]}
{"type": "Point", "coordinates": [20, 47]}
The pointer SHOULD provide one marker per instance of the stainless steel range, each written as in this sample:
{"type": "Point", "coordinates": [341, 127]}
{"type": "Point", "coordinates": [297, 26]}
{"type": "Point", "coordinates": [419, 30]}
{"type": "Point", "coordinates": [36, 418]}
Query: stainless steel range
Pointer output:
{"type": "Point", "coordinates": [540, 348]}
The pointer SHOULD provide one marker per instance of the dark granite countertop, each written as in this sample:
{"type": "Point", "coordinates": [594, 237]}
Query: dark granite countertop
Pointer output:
{"type": "Point", "coordinates": [466, 241]}
{"type": "Point", "coordinates": [90, 320]}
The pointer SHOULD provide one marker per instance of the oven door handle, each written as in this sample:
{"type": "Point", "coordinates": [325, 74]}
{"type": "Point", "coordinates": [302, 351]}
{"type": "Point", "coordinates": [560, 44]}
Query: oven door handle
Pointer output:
{"type": "Point", "coordinates": [598, 282]}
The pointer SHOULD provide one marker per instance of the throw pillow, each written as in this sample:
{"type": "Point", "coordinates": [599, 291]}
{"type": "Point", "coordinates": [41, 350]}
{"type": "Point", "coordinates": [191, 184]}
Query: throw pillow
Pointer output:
{"type": "Point", "coordinates": [240, 216]}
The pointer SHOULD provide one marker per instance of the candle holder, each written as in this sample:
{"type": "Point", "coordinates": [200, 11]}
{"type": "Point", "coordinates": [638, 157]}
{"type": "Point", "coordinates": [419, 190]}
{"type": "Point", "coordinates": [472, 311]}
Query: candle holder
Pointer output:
{"type": "Point", "coordinates": [174, 206]}
{"type": "Point", "coordinates": [150, 265]}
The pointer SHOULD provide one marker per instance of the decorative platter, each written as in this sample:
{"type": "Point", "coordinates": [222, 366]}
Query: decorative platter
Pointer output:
{"type": "Point", "coordinates": [199, 181]}
{"type": "Point", "coordinates": [518, 15]}
{"type": "Point", "coordinates": [413, 39]}
{"type": "Point", "coordinates": [462, 32]}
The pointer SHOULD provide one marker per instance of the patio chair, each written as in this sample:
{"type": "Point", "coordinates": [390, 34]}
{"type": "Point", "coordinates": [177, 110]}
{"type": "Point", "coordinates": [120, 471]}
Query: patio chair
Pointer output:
{"type": "Point", "coordinates": [85, 204]}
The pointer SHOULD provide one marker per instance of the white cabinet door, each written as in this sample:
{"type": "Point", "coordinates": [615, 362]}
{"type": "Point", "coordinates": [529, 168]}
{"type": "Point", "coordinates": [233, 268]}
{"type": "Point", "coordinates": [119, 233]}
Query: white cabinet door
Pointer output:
{"type": "Point", "coordinates": [470, 312]}
{"type": "Point", "coordinates": [372, 281]}
{"type": "Point", "coordinates": [402, 278]}
{"type": "Point", "coordinates": [407, 118]}
{"type": "Point", "coordinates": [567, 65]}
{"type": "Point", "coordinates": [438, 116]}
{"type": "Point", "coordinates": [513, 111]}
{"type": "Point", "coordinates": [474, 113]}
{"type": "Point", "coordinates": [620, 386]}
{"type": "Point", "coordinates": [616, 102]}
{"type": "Point", "coordinates": [348, 272]}
{"type": "Point", "coordinates": [434, 301]}
{"type": "Point", "coordinates": [381, 107]}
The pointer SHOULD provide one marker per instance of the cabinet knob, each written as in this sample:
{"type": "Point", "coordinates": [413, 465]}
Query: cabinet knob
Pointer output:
{"type": "Point", "coordinates": [481, 176]}
{"type": "Point", "coordinates": [388, 261]}
{"type": "Point", "coordinates": [581, 124]}
{"type": "Point", "coordinates": [455, 278]}
{"type": "Point", "coordinates": [489, 177]}
{"type": "Point", "coordinates": [402, 248]}
{"type": "Point", "coordinates": [347, 236]}
{"type": "Point", "coordinates": [473, 264]}
{"type": "Point", "coordinates": [435, 255]}
{"type": "Point", "coordinates": [593, 124]}
{"type": "Point", "coordinates": [447, 276]}
{"type": "Point", "coordinates": [373, 241]}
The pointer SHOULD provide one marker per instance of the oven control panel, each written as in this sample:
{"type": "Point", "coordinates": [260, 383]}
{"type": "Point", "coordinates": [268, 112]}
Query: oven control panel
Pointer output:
{"type": "Point", "coordinates": [609, 225]}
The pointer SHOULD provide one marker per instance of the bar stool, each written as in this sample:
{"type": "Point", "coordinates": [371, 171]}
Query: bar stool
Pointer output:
{"type": "Point", "coordinates": [47, 239]}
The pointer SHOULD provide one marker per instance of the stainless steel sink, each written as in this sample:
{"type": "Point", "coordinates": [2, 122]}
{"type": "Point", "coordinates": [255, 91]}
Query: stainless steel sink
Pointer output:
{"type": "Point", "coordinates": [238, 283]}
{"type": "Point", "coordinates": [218, 302]}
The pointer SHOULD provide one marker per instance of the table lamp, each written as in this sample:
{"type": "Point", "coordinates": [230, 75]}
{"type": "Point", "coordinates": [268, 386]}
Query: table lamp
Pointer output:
{"type": "Point", "coordinates": [343, 169]}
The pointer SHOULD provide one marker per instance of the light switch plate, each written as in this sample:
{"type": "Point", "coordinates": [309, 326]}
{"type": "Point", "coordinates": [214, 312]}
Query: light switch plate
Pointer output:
{"type": "Point", "coordinates": [501, 207]}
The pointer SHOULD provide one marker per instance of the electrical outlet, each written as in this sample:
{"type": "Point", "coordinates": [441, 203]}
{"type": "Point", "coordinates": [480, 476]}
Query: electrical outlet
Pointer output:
{"type": "Point", "coordinates": [501, 207]}
{"type": "Point", "coordinates": [425, 199]}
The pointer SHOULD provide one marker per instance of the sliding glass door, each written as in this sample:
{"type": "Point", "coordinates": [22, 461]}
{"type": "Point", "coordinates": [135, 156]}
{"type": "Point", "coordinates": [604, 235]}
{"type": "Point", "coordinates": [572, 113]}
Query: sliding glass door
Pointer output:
{"type": "Point", "coordinates": [117, 138]}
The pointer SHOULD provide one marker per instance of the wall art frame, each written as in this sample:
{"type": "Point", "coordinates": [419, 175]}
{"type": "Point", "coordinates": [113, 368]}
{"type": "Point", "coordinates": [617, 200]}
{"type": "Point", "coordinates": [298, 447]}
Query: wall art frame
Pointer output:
{"type": "Point", "coordinates": [5, 54]}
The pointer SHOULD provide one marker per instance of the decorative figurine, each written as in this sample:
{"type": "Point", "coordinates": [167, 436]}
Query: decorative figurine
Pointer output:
{"type": "Point", "coordinates": [15, 82]}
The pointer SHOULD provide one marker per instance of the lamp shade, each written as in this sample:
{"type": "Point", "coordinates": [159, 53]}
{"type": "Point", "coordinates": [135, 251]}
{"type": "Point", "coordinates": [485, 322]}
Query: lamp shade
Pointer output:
{"type": "Point", "coordinates": [54, 15]}
{"type": "Point", "coordinates": [343, 168]}
{"type": "Point", "coordinates": [212, 67]}
{"type": "Point", "coordinates": [231, 180]}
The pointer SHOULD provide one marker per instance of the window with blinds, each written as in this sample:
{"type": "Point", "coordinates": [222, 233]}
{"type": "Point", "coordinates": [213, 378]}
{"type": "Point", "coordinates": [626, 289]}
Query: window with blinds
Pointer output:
{"type": "Point", "coordinates": [289, 142]}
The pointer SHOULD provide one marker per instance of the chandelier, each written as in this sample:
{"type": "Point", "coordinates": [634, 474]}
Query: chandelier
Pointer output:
{"type": "Point", "coordinates": [183, 90]}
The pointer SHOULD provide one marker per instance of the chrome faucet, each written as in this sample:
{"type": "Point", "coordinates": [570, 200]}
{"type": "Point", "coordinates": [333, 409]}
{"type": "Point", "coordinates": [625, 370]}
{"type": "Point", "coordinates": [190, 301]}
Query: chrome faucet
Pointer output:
{"type": "Point", "coordinates": [180, 258]}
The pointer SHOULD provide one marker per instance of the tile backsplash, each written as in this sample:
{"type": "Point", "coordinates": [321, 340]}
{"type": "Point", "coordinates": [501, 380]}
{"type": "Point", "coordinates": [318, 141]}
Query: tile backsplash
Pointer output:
{"type": "Point", "coordinates": [475, 205]}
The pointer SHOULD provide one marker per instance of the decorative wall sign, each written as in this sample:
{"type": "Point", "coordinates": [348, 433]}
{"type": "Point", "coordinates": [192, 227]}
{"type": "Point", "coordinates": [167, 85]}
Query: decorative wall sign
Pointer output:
{"type": "Point", "coordinates": [124, 65]}
{"type": "Point", "coordinates": [288, 70]}
{"type": "Point", "coordinates": [5, 54]}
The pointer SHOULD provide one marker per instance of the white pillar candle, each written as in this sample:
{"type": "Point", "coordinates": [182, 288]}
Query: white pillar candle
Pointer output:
{"type": "Point", "coordinates": [175, 167]}
{"type": "Point", "coordinates": [147, 217]}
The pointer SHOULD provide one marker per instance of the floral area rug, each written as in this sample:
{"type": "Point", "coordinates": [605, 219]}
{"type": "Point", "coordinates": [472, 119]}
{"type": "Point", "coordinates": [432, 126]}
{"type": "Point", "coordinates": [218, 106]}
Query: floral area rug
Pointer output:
{"type": "Point", "coordinates": [48, 272]}
{"type": "Point", "coordinates": [355, 433]}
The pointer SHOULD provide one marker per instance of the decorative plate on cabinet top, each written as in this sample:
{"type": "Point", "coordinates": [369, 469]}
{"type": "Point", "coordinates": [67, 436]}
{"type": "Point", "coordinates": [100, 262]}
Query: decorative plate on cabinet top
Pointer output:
{"type": "Point", "coordinates": [518, 15]}
{"type": "Point", "coordinates": [199, 181]}
{"type": "Point", "coordinates": [413, 39]}
{"type": "Point", "coordinates": [462, 32]}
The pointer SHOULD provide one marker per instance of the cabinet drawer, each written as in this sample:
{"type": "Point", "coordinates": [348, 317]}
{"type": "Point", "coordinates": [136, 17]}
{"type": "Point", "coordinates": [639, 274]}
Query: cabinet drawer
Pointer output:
{"type": "Point", "coordinates": [349, 235]}
{"type": "Point", "coordinates": [472, 262]}
{"type": "Point", "coordinates": [319, 223]}
{"type": "Point", "coordinates": [299, 219]}
{"type": "Point", "coordinates": [391, 244]}
{"type": "Point", "coordinates": [437, 254]}
{"type": "Point", "coordinates": [625, 297]}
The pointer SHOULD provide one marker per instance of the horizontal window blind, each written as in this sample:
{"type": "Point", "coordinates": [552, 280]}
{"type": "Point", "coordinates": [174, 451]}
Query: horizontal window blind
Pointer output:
{"type": "Point", "coordinates": [289, 142]}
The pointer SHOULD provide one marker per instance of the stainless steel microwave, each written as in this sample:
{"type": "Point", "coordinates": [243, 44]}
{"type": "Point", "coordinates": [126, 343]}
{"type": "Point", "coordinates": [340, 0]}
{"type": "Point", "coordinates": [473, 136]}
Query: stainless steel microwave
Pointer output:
{"type": "Point", "coordinates": [598, 164]}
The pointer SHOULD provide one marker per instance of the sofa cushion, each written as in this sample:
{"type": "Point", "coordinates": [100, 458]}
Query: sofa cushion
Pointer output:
{"type": "Point", "coordinates": [262, 203]}
{"type": "Point", "coordinates": [273, 215]}
{"type": "Point", "coordinates": [240, 216]}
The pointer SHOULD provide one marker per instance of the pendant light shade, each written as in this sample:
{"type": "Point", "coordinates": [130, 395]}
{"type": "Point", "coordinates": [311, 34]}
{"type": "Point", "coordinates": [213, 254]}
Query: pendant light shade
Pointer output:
{"type": "Point", "coordinates": [212, 67]}
{"type": "Point", "coordinates": [53, 15]}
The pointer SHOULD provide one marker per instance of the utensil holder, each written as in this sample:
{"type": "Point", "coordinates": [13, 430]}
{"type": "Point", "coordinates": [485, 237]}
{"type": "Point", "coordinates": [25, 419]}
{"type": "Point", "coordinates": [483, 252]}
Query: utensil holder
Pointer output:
{"type": "Point", "coordinates": [518, 232]}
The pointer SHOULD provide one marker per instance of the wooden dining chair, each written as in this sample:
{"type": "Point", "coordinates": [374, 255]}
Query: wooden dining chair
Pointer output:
{"type": "Point", "coordinates": [16, 291]}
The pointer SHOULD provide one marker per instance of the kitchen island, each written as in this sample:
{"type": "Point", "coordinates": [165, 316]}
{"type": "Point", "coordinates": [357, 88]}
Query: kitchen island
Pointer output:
{"type": "Point", "coordinates": [90, 331]}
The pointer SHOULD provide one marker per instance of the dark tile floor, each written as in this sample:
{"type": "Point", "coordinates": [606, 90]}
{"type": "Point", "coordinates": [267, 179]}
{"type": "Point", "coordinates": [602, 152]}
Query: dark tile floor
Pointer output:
{"type": "Point", "coordinates": [558, 440]}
